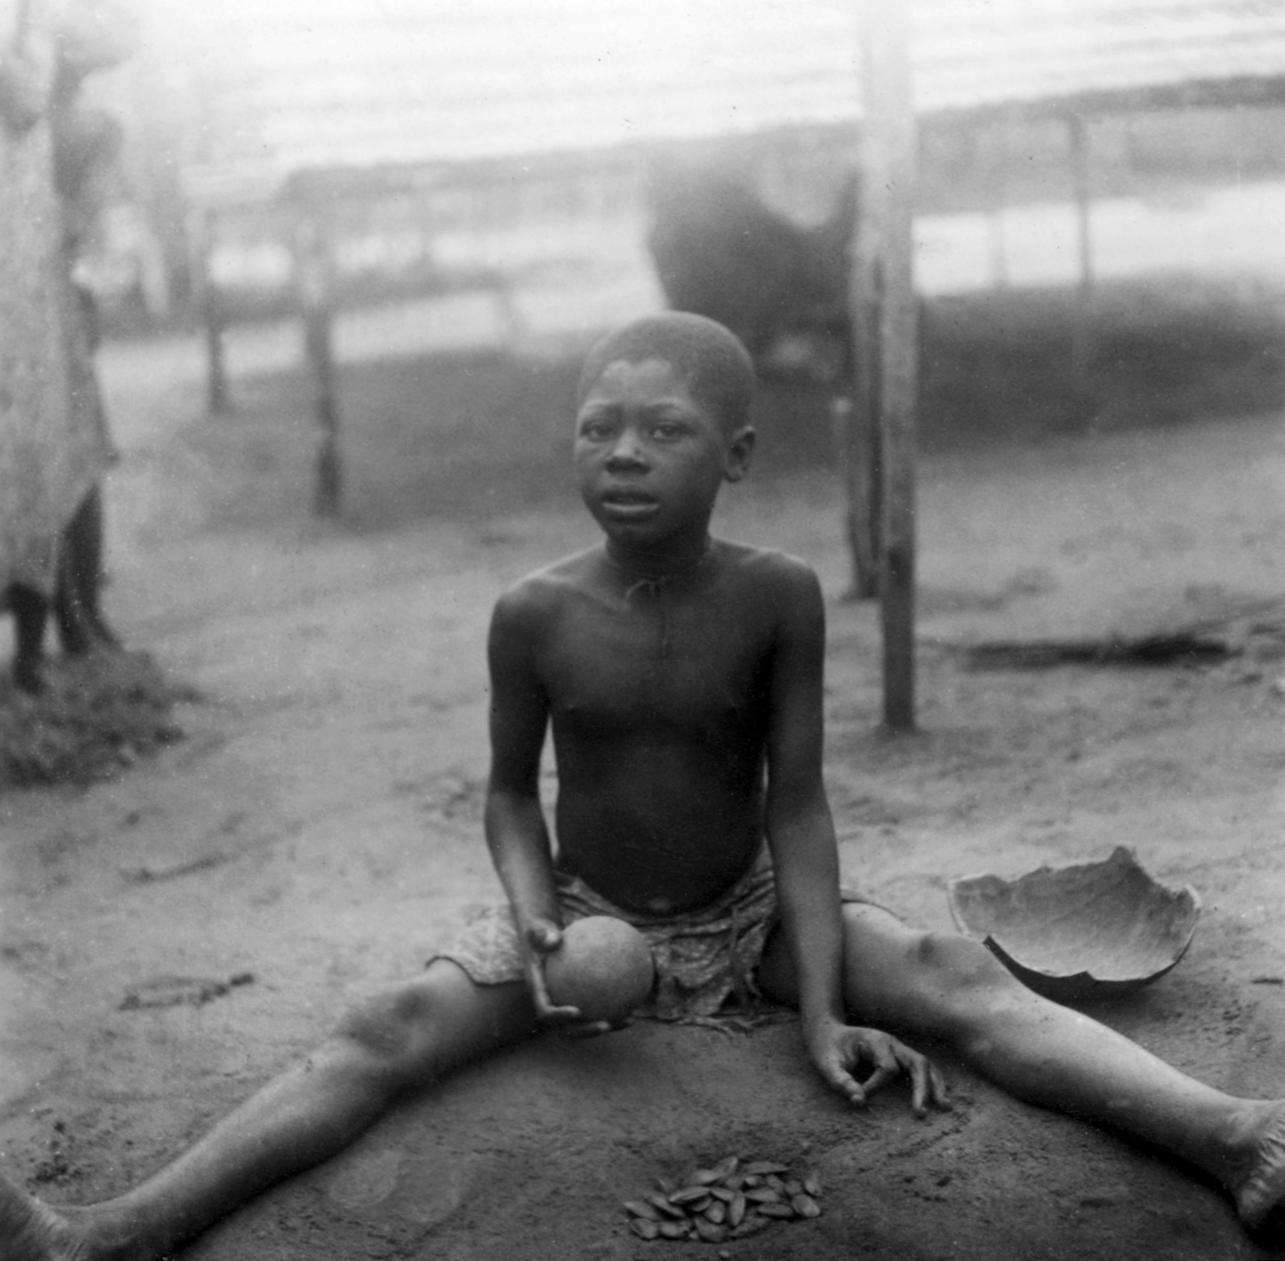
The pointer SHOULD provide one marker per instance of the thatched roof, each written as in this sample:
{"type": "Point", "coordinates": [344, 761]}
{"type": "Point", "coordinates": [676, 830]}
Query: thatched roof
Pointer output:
{"type": "Point", "coordinates": [1056, 55]}
{"type": "Point", "coordinates": [348, 84]}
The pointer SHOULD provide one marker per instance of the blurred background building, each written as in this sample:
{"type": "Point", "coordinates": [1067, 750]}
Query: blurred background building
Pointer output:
{"type": "Point", "coordinates": [455, 142]}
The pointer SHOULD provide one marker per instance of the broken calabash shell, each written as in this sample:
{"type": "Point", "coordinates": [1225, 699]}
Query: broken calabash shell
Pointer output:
{"type": "Point", "coordinates": [1080, 932]}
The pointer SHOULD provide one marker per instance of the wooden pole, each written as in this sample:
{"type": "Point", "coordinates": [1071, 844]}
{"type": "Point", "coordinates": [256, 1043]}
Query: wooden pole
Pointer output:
{"type": "Point", "coordinates": [212, 317]}
{"type": "Point", "coordinates": [888, 179]}
{"type": "Point", "coordinates": [854, 415]}
{"type": "Point", "coordinates": [316, 299]}
{"type": "Point", "coordinates": [856, 442]}
{"type": "Point", "coordinates": [1082, 317]}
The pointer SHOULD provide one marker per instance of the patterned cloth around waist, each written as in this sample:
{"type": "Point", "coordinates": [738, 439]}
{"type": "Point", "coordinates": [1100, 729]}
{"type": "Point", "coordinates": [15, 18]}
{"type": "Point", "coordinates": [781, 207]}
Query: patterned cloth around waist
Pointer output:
{"type": "Point", "coordinates": [704, 958]}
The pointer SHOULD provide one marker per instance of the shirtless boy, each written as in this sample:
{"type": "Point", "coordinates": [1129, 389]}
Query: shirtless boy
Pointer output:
{"type": "Point", "coordinates": [681, 678]}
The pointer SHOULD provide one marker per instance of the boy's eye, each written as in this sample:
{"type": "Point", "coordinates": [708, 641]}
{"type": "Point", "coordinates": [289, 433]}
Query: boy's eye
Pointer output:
{"type": "Point", "coordinates": [666, 430]}
{"type": "Point", "coordinates": [595, 430]}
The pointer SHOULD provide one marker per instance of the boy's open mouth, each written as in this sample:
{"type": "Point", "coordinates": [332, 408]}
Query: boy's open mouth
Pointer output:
{"type": "Point", "coordinates": [622, 502]}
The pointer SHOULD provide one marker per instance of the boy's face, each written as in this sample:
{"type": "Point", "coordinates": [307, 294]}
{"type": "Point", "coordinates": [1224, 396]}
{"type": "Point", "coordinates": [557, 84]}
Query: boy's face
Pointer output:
{"type": "Point", "coordinates": [650, 457]}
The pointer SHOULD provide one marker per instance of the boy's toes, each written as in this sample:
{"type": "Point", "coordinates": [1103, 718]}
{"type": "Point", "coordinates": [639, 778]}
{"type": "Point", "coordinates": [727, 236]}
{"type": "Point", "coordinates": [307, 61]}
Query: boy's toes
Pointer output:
{"type": "Point", "coordinates": [1264, 1186]}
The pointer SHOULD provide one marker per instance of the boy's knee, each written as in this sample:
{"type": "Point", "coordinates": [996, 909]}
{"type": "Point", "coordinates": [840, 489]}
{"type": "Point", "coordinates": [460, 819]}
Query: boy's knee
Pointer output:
{"type": "Point", "coordinates": [946, 959]}
{"type": "Point", "coordinates": [966, 987]}
{"type": "Point", "coordinates": [962, 963]}
{"type": "Point", "coordinates": [389, 1026]}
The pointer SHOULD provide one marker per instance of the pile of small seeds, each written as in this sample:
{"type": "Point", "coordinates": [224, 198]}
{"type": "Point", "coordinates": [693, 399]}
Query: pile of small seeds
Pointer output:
{"type": "Point", "coordinates": [729, 1200]}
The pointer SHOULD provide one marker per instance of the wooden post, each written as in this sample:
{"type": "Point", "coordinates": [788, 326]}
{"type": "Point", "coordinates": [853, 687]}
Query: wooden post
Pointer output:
{"type": "Point", "coordinates": [313, 268]}
{"type": "Point", "coordinates": [888, 178]}
{"type": "Point", "coordinates": [212, 315]}
{"type": "Point", "coordinates": [855, 426]}
{"type": "Point", "coordinates": [1082, 317]}
{"type": "Point", "coordinates": [855, 417]}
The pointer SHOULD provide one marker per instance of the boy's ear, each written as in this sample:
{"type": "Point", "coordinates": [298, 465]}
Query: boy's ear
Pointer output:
{"type": "Point", "coordinates": [740, 451]}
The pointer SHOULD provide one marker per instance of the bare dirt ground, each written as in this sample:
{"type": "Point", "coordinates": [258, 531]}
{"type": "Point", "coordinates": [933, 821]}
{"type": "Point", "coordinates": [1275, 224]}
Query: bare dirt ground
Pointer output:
{"type": "Point", "coordinates": [173, 934]}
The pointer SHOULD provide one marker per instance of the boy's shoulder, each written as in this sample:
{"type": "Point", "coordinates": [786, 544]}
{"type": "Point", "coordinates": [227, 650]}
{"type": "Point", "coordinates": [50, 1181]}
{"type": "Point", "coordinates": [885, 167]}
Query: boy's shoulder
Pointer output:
{"type": "Point", "coordinates": [767, 563]}
{"type": "Point", "coordinates": [543, 589]}
{"type": "Point", "coordinates": [781, 587]}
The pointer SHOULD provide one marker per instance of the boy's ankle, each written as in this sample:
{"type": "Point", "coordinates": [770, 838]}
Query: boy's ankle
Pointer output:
{"type": "Point", "coordinates": [1233, 1151]}
{"type": "Point", "coordinates": [108, 1235]}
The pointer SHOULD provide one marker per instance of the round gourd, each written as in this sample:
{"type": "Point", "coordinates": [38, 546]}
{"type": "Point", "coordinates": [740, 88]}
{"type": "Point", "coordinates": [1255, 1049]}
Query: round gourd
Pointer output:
{"type": "Point", "coordinates": [603, 966]}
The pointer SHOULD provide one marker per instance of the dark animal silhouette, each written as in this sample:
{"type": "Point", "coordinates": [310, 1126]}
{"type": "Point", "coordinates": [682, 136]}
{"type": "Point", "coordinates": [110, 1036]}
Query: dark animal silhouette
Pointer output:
{"type": "Point", "coordinates": [719, 251]}
{"type": "Point", "coordinates": [75, 603]}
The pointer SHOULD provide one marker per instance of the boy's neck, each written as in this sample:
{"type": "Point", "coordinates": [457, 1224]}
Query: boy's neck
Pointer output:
{"type": "Point", "coordinates": [639, 565]}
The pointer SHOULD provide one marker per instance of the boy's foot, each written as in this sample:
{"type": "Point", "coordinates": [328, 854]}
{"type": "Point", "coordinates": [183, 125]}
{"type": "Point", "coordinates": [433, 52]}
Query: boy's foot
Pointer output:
{"type": "Point", "coordinates": [32, 1231]}
{"type": "Point", "coordinates": [1263, 1187]}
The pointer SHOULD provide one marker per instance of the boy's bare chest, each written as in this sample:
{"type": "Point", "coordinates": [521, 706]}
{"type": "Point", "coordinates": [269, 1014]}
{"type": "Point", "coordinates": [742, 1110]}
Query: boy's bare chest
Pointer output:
{"type": "Point", "coordinates": [656, 661]}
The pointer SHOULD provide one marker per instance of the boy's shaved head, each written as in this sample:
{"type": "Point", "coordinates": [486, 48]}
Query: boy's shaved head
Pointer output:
{"type": "Point", "coordinates": [717, 368]}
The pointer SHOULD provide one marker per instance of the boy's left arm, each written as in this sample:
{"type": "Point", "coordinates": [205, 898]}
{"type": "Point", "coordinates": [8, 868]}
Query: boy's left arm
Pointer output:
{"type": "Point", "coordinates": [806, 861]}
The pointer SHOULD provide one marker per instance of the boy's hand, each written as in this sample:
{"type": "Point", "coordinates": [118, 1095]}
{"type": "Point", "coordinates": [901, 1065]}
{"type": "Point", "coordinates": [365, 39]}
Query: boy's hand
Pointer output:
{"type": "Point", "coordinates": [542, 937]}
{"type": "Point", "coordinates": [840, 1050]}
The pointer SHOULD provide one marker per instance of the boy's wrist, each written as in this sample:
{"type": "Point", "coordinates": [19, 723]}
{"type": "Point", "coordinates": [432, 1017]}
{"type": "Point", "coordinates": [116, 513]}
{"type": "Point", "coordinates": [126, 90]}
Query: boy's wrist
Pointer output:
{"type": "Point", "coordinates": [534, 922]}
{"type": "Point", "coordinates": [820, 1024]}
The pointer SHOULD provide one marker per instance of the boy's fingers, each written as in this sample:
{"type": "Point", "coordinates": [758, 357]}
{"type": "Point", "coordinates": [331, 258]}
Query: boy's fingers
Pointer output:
{"type": "Point", "coordinates": [837, 1074]}
{"type": "Point", "coordinates": [848, 1085]}
{"type": "Point", "coordinates": [919, 1089]}
{"type": "Point", "coordinates": [927, 1086]}
{"type": "Point", "coordinates": [882, 1075]}
{"type": "Point", "coordinates": [586, 1029]}
{"type": "Point", "coordinates": [543, 936]}
{"type": "Point", "coordinates": [552, 1015]}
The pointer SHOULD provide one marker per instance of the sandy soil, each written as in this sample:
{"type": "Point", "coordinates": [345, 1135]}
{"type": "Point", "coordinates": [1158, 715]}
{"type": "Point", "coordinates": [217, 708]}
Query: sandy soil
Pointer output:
{"type": "Point", "coordinates": [171, 936]}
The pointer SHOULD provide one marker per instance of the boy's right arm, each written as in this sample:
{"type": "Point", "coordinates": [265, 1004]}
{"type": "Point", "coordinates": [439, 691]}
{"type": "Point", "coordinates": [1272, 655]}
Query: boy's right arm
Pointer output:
{"type": "Point", "coordinates": [516, 832]}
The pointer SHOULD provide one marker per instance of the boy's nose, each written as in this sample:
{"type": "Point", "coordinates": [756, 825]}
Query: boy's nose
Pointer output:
{"type": "Point", "coordinates": [625, 452]}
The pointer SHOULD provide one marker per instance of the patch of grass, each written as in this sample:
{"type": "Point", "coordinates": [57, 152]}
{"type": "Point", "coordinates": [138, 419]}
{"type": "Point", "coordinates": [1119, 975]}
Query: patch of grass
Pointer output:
{"type": "Point", "coordinates": [998, 366]}
{"type": "Point", "coordinates": [96, 715]}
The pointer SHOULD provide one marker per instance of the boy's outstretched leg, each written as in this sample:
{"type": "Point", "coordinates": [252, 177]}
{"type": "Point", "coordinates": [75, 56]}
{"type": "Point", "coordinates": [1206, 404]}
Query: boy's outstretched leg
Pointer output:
{"type": "Point", "coordinates": [950, 988]}
{"type": "Point", "coordinates": [388, 1045]}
